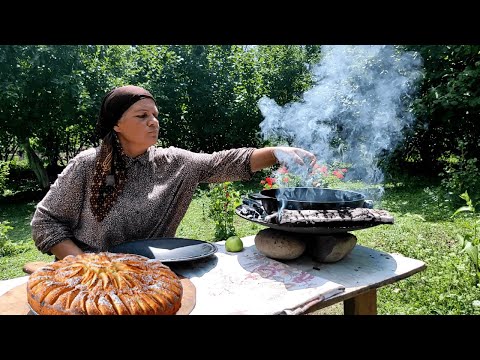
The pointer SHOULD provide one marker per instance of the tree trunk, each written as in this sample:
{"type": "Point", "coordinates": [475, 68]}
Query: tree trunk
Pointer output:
{"type": "Point", "coordinates": [36, 165]}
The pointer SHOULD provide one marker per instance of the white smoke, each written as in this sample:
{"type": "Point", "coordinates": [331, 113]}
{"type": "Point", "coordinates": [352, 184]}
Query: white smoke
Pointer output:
{"type": "Point", "coordinates": [355, 112]}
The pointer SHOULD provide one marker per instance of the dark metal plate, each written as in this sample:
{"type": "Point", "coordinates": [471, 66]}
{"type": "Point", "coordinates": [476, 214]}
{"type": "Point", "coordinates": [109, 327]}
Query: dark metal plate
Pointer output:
{"type": "Point", "coordinates": [319, 229]}
{"type": "Point", "coordinates": [167, 249]}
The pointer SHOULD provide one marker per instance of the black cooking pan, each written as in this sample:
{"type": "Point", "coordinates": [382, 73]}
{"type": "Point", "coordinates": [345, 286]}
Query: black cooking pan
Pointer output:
{"type": "Point", "coordinates": [308, 198]}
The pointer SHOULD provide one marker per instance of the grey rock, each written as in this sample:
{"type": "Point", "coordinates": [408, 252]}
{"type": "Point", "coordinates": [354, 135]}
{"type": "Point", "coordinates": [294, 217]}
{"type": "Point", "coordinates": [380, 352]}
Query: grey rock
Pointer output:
{"type": "Point", "coordinates": [280, 245]}
{"type": "Point", "coordinates": [331, 248]}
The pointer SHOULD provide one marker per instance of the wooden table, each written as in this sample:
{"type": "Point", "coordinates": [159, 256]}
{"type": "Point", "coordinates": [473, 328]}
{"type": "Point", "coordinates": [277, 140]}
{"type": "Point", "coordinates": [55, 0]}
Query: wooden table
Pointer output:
{"type": "Point", "coordinates": [362, 272]}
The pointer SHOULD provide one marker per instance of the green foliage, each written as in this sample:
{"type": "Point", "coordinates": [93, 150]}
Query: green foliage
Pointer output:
{"type": "Point", "coordinates": [208, 94]}
{"type": "Point", "coordinates": [329, 175]}
{"type": "Point", "coordinates": [53, 92]}
{"type": "Point", "coordinates": [4, 228]}
{"type": "Point", "coordinates": [8, 145]}
{"type": "Point", "coordinates": [21, 179]}
{"type": "Point", "coordinates": [283, 178]}
{"type": "Point", "coordinates": [224, 199]}
{"type": "Point", "coordinates": [285, 70]}
{"type": "Point", "coordinates": [447, 108]}
{"type": "Point", "coordinates": [8, 248]}
{"type": "Point", "coordinates": [470, 242]}
{"type": "Point", "coordinates": [460, 173]}
{"type": "Point", "coordinates": [321, 175]}
{"type": "Point", "coordinates": [4, 172]}
{"type": "Point", "coordinates": [207, 97]}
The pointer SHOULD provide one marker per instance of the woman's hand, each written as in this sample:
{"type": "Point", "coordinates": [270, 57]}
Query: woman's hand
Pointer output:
{"type": "Point", "coordinates": [268, 156]}
{"type": "Point", "coordinates": [65, 248]}
{"type": "Point", "coordinates": [285, 154]}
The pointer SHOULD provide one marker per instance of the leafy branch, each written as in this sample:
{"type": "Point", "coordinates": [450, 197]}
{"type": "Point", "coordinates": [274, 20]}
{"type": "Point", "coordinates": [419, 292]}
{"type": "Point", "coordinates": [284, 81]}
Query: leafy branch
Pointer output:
{"type": "Point", "coordinates": [224, 199]}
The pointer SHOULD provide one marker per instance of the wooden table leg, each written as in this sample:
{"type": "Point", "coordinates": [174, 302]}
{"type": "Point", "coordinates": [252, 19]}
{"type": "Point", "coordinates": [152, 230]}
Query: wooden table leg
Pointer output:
{"type": "Point", "coordinates": [363, 304]}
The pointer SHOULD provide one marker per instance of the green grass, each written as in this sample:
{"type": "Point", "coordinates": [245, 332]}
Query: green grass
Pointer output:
{"type": "Point", "coordinates": [423, 230]}
{"type": "Point", "coordinates": [19, 216]}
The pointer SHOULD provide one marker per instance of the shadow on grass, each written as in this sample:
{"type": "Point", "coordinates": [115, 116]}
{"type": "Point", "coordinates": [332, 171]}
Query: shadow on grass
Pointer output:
{"type": "Point", "coordinates": [418, 197]}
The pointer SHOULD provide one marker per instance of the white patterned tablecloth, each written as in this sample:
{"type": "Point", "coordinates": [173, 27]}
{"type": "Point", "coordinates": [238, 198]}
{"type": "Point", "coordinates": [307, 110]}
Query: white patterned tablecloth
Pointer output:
{"type": "Point", "coordinates": [248, 282]}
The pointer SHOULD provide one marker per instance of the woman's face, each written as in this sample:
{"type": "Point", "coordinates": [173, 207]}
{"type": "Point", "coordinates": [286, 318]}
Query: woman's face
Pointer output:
{"type": "Point", "coordinates": [137, 129]}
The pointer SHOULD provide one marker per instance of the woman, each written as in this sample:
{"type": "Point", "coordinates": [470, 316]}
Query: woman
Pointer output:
{"type": "Point", "coordinates": [128, 188]}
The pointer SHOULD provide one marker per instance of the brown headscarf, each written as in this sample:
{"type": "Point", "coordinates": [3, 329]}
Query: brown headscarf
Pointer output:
{"type": "Point", "coordinates": [110, 172]}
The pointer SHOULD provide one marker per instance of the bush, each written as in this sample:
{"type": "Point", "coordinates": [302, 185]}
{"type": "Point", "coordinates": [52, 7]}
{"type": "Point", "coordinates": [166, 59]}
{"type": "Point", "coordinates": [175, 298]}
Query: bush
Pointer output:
{"type": "Point", "coordinates": [18, 181]}
{"type": "Point", "coordinates": [460, 174]}
{"type": "Point", "coordinates": [6, 246]}
{"type": "Point", "coordinates": [223, 201]}
{"type": "Point", "coordinates": [4, 172]}
{"type": "Point", "coordinates": [321, 175]}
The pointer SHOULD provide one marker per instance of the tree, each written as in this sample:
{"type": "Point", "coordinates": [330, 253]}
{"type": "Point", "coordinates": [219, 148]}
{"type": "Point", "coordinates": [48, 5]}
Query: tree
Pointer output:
{"type": "Point", "coordinates": [448, 106]}
{"type": "Point", "coordinates": [50, 96]}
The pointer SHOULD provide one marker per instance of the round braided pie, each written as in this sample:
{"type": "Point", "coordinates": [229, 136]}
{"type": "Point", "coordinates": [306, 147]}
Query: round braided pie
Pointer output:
{"type": "Point", "coordinates": [105, 284]}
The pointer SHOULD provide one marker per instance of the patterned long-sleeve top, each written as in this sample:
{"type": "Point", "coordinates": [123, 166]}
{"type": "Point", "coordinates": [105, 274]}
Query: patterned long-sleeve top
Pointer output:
{"type": "Point", "coordinates": [159, 188]}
